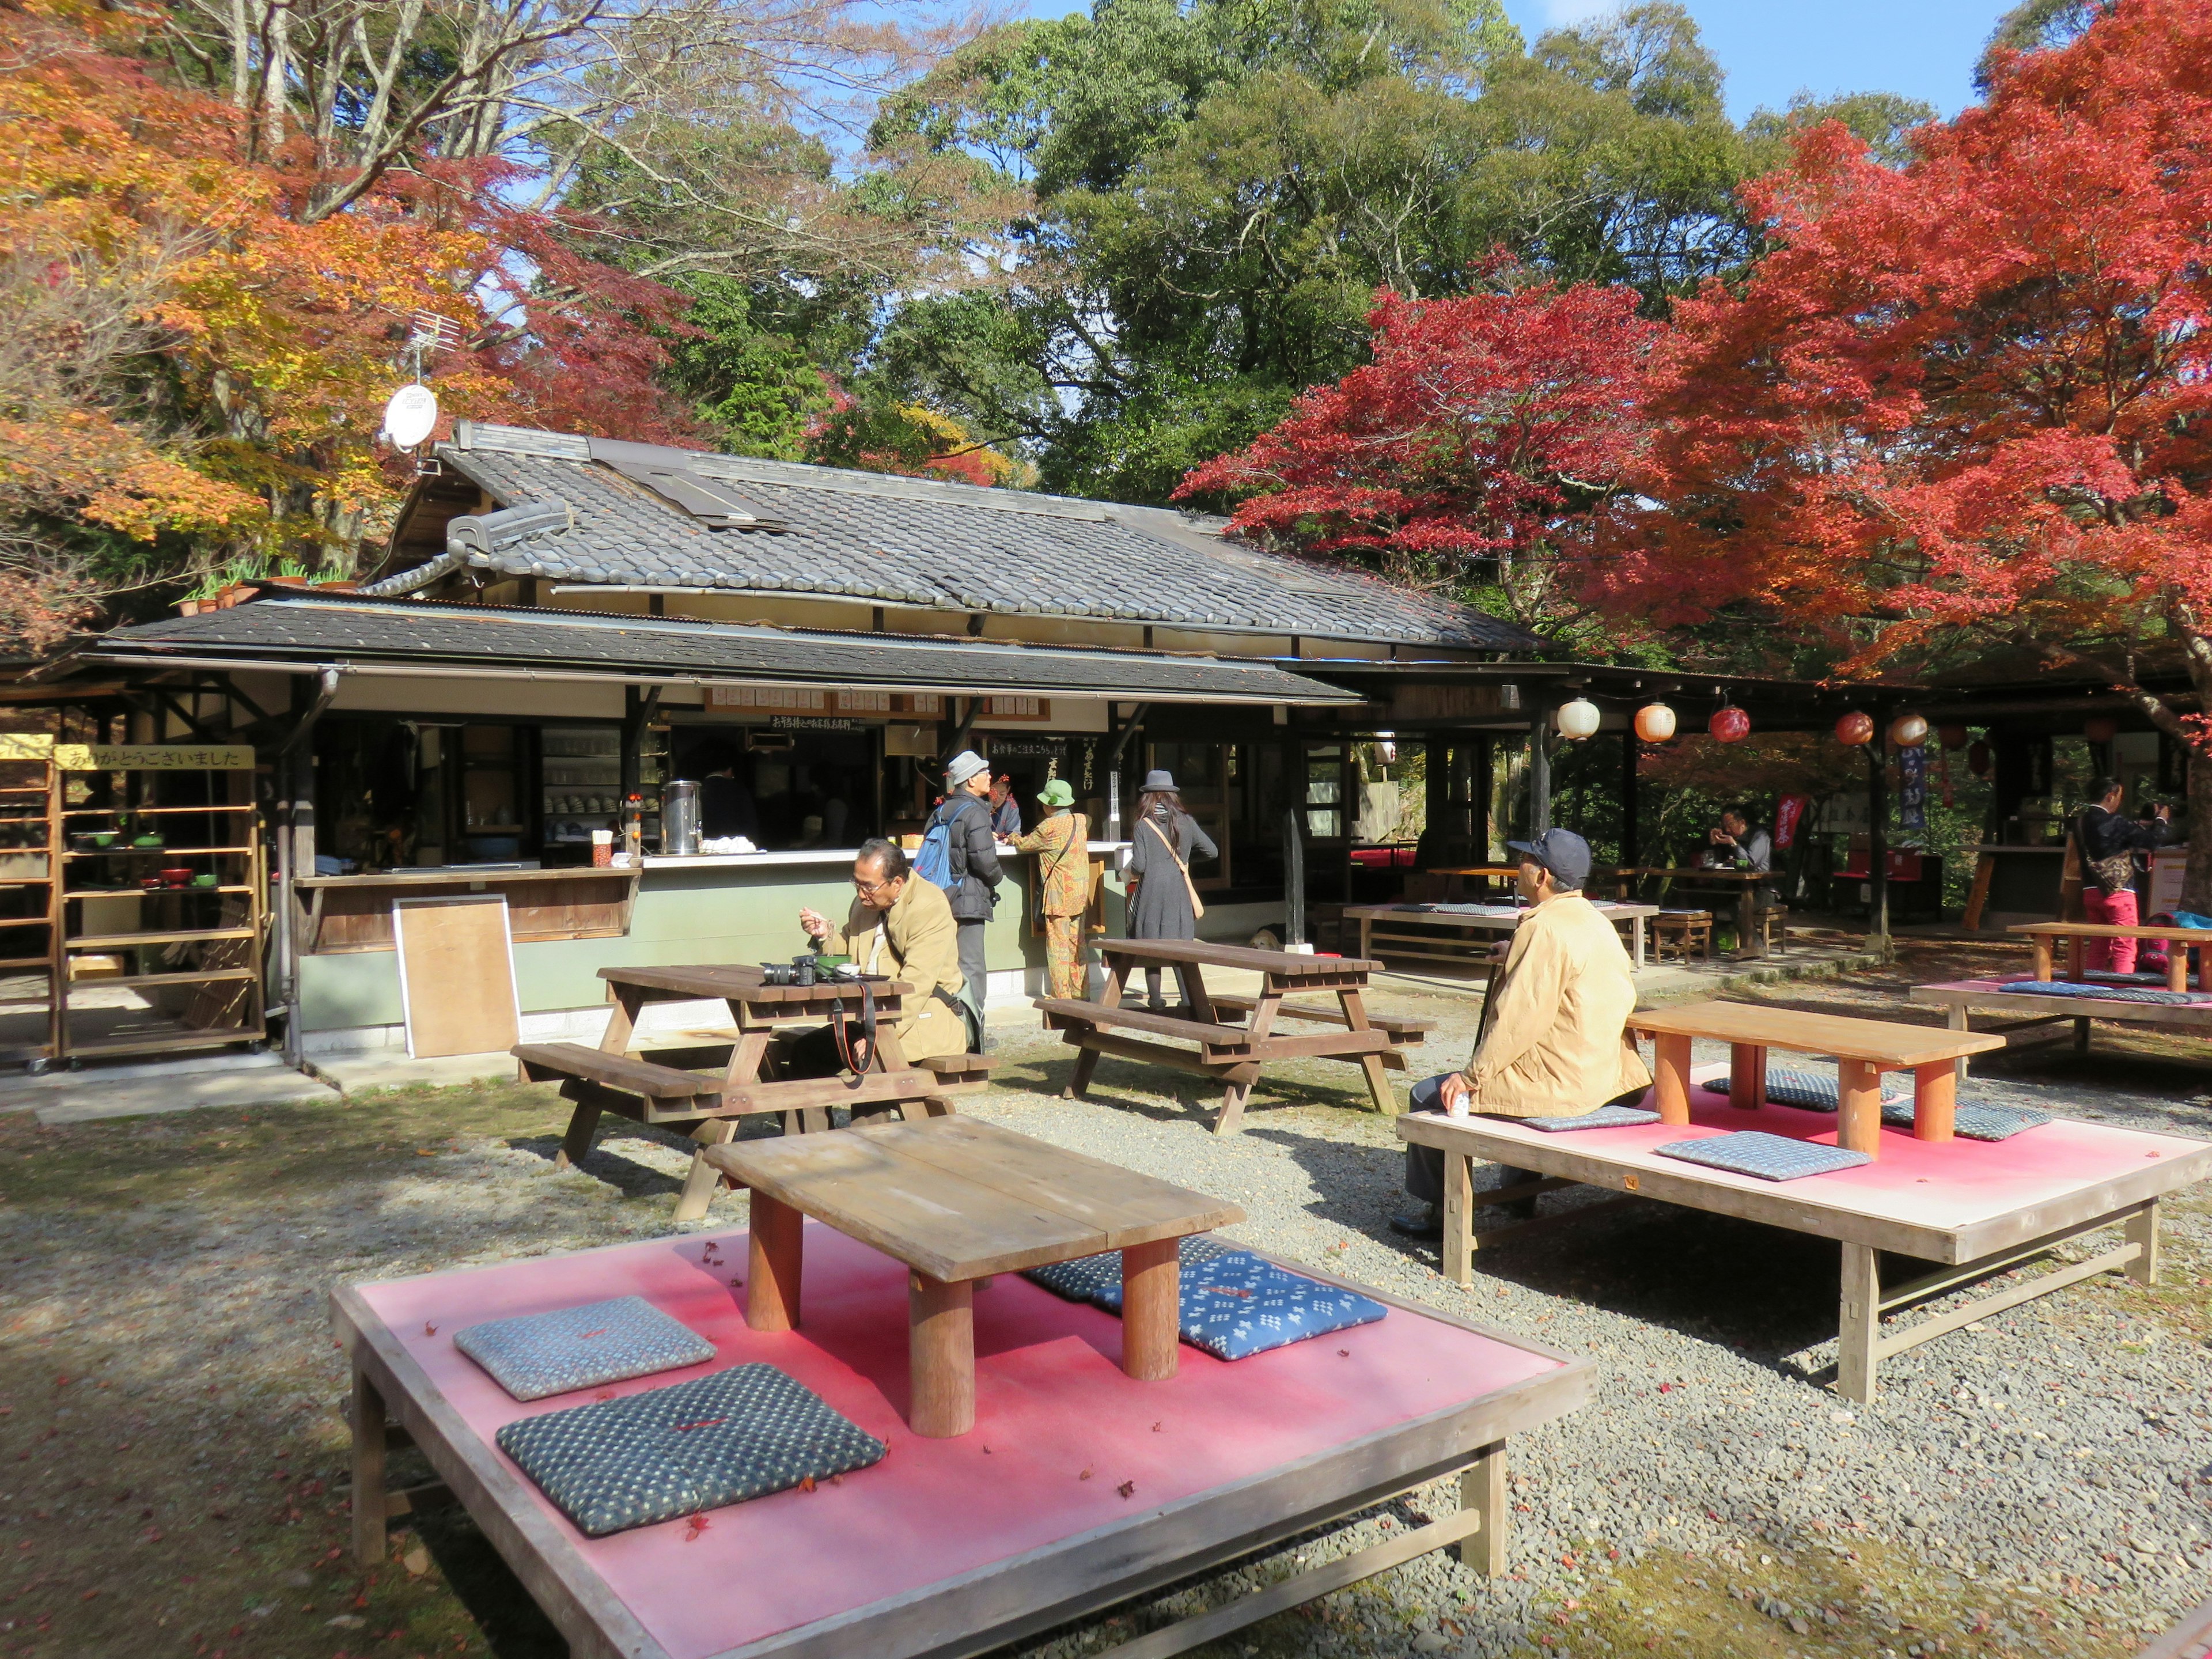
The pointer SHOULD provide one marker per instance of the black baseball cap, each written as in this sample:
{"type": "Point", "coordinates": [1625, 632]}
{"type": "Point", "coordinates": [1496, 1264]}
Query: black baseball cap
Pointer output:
{"type": "Point", "coordinates": [1562, 852]}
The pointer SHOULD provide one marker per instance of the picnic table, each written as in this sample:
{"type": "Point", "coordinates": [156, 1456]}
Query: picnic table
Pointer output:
{"type": "Point", "coordinates": [2044, 936]}
{"type": "Point", "coordinates": [1444, 921]}
{"type": "Point", "coordinates": [1862, 1050]}
{"type": "Point", "coordinates": [613, 1077]}
{"type": "Point", "coordinates": [959, 1201]}
{"type": "Point", "coordinates": [1226, 1050]}
{"type": "Point", "coordinates": [1744, 884]}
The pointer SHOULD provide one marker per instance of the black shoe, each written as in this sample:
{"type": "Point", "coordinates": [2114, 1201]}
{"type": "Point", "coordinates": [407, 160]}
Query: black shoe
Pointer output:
{"type": "Point", "coordinates": [1425, 1222]}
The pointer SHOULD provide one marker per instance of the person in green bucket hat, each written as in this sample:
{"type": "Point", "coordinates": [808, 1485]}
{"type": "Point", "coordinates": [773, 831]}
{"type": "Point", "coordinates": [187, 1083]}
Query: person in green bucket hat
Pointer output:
{"type": "Point", "coordinates": [1061, 844]}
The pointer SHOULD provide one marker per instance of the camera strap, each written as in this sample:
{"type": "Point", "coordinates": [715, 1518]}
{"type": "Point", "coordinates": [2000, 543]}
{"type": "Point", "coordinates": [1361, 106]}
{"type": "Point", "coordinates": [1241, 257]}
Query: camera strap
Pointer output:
{"type": "Point", "coordinates": [856, 1045]}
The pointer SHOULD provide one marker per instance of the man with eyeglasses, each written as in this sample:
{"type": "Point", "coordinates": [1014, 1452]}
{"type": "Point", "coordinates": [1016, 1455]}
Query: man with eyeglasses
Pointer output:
{"type": "Point", "coordinates": [900, 927]}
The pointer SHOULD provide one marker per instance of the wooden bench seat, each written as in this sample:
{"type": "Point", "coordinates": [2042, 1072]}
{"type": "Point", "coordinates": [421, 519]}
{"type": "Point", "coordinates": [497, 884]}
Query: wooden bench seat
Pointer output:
{"type": "Point", "coordinates": [1400, 1028]}
{"type": "Point", "coordinates": [547, 1062]}
{"type": "Point", "coordinates": [1061, 1011]}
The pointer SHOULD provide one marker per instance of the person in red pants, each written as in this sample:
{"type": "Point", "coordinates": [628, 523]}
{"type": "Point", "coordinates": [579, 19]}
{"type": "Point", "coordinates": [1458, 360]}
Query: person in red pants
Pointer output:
{"type": "Point", "coordinates": [2109, 843]}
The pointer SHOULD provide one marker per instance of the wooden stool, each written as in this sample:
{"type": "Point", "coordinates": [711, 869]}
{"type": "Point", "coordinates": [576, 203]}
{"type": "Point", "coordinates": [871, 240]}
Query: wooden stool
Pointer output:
{"type": "Point", "coordinates": [1773, 928]}
{"type": "Point", "coordinates": [1684, 930]}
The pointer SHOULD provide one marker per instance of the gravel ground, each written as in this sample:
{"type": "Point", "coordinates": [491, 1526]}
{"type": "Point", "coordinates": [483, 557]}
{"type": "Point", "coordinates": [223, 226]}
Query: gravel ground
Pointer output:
{"type": "Point", "coordinates": [2034, 1487]}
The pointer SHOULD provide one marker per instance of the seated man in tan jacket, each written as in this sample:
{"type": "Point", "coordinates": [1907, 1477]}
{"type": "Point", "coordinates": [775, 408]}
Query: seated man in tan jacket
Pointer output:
{"type": "Point", "coordinates": [1555, 1042]}
{"type": "Point", "coordinates": [900, 927]}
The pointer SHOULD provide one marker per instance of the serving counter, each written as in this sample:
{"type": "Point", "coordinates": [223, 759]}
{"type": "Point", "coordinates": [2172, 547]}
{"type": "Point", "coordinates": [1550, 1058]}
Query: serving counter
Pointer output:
{"type": "Point", "coordinates": [569, 923]}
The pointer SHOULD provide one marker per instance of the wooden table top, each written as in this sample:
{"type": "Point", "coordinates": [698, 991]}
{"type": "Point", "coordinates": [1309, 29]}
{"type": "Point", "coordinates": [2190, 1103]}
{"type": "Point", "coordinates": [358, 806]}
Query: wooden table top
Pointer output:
{"type": "Point", "coordinates": [1506, 914]}
{"type": "Point", "coordinates": [1886, 1043]}
{"type": "Point", "coordinates": [1492, 870]}
{"type": "Point", "coordinates": [2100, 930]}
{"type": "Point", "coordinates": [1697, 871]}
{"type": "Point", "coordinates": [739, 980]}
{"type": "Point", "coordinates": [1284, 964]}
{"type": "Point", "coordinates": [957, 1199]}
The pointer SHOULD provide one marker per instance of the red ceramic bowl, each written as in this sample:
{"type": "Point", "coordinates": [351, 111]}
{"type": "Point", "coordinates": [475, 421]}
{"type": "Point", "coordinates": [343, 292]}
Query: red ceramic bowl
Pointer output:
{"type": "Point", "coordinates": [179, 877]}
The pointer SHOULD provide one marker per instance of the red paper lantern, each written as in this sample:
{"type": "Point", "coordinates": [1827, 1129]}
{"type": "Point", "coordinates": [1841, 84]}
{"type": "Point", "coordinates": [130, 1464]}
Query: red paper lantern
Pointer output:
{"type": "Point", "coordinates": [1730, 725]}
{"type": "Point", "coordinates": [2100, 728]}
{"type": "Point", "coordinates": [1977, 760]}
{"type": "Point", "coordinates": [1954, 737]}
{"type": "Point", "coordinates": [1855, 728]}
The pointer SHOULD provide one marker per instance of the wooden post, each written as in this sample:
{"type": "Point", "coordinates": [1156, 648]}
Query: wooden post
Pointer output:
{"type": "Point", "coordinates": [774, 1254]}
{"type": "Point", "coordinates": [702, 1178]}
{"type": "Point", "coordinates": [1632, 850]}
{"type": "Point", "coordinates": [1151, 1309]}
{"type": "Point", "coordinates": [940, 1355]}
{"type": "Point", "coordinates": [1878, 831]}
{"type": "Point", "coordinates": [1935, 1101]}
{"type": "Point", "coordinates": [1456, 1253]}
{"type": "Point", "coordinates": [1858, 1115]}
{"type": "Point", "coordinates": [2141, 1230]}
{"type": "Point", "coordinates": [1746, 1076]}
{"type": "Point", "coordinates": [1482, 1488]}
{"type": "Point", "coordinates": [2077, 955]}
{"type": "Point", "coordinates": [1858, 1335]}
{"type": "Point", "coordinates": [1540, 773]}
{"type": "Point", "coordinates": [1671, 1071]}
{"type": "Point", "coordinates": [1954, 1017]}
{"type": "Point", "coordinates": [369, 1517]}
{"type": "Point", "coordinates": [578, 1140]}
{"type": "Point", "coordinates": [2176, 965]}
{"type": "Point", "coordinates": [2040, 942]}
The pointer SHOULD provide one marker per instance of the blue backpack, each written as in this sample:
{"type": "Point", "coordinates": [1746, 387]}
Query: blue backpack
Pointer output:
{"type": "Point", "coordinates": [932, 860]}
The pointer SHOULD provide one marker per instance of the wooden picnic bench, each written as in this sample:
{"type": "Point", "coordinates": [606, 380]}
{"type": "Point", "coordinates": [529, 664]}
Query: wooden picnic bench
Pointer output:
{"type": "Point", "coordinates": [1862, 1050]}
{"type": "Point", "coordinates": [1441, 930]}
{"type": "Point", "coordinates": [1229, 1052]}
{"type": "Point", "coordinates": [2044, 936]}
{"type": "Point", "coordinates": [958, 1202]}
{"type": "Point", "coordinates": [635, 1083]}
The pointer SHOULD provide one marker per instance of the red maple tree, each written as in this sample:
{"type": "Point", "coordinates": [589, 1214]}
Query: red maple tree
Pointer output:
{"type": "Point", "coordinates": [1483, 444]}
{"type": "Point", "coordinates": [1965, 404]}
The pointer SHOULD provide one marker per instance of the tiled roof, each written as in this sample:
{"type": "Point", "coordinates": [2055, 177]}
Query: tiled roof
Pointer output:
{"type": "Point", "coordinates": [913, 542]}
{"type": "Point", "coordinates": [363, 633]}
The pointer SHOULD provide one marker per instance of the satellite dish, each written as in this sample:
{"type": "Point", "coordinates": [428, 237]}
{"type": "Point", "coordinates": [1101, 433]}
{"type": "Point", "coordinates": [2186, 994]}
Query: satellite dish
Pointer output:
{"type": "Point", "coordinates": [411, 415]}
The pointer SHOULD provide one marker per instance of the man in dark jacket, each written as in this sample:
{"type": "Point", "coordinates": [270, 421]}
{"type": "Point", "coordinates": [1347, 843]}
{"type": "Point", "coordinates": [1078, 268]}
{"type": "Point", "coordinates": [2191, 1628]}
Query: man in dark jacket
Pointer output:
{"type": "Point", "coordinates": [973, 852]}
{"type": "Point", "coordinates": [2109, 844]}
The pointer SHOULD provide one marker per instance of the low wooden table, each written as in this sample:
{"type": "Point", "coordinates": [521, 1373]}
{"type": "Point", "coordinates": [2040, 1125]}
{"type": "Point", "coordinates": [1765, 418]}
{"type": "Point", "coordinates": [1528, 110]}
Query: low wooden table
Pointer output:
{"type": "Point", "coordinates": [963, 1546]}
{"type": "Point", "coordinates": [1231, 1053]}
{"type": "Point", "coordinates": [2045, 937]}
{"type": "Point", "coordinates": [1744, 884]}
{"type": "Point", "coordinates": [1977, 1208]}
{"type": "Point", "coordinates": [2042, 1014]}
{"type": "Point", "coordinates": [1862, 1048]}
{"type": "Point", "coordinates": [629, 1083]}
{"type": "Point", "coordinates": [1441, 924]}
{"type": "Point", "coordinates": [958, 1200]}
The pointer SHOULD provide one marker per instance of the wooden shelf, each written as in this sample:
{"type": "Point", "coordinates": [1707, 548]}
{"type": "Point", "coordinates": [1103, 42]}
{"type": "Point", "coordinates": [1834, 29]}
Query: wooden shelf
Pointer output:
{"type": "Point", "coordinates": [167, 1040]}
{"type": "Point", "coordinates": [145, 812]}
{"type": "Point", "coordinates": [157, 852]}
{"type": "Point", "coordinates": [133, 981]}
{"type": "Point", "coordinates": [143, 892]}
{"type": "Point", "coordinates": [25, 881]}
{"type": "Point", "coordinates": [47, 963]}
{"type": "Point", "coordinates": [129, 941]}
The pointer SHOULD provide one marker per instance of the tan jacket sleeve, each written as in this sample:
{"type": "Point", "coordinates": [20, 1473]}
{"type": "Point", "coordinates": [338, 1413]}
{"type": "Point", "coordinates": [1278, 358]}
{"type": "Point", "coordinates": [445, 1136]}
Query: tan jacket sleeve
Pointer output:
{"type": "Point", "coordinates": [928, 941]}
{"type": "Point", "coordinates": [859, 922]}
{"type": "Point", "coordinates": [1528, 1001]}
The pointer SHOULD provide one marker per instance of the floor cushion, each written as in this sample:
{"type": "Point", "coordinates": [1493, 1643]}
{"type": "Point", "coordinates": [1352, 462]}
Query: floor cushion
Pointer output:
{"type": "Point", "coordinates": [2112, 977]}
{"type": "Point", "coordinates": [1805, 1088]}
{"type": "Point", "coordinates": [1606, 1117]}
{"type": "Point", "coordinates": [1771, 1158]}
{"type": "Point", "coordinates": [1974, 1122]}
{"type": "Point", "coordinates": [653, 1456]}
{"type": "Point", "coordinates": [2067, 987]}
{"type": "Point", "coordinates": [1238, 1305]}
{"type": "Point", "coordinates": [538, 1354]}
{"type": "Point", "coordinates": [1098, 1278]}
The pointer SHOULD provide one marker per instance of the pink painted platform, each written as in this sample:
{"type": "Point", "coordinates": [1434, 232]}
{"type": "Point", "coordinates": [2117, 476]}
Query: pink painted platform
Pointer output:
{"type": "Point", "coordinates": [1078, 1486]}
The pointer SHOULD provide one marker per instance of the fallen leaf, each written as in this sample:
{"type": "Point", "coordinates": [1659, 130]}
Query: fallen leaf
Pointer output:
{"type": "Point", "coordinates": [1155, 1428]}
{"type": "Point", "coordinates": [428, 1329]}
{"type": "Point", "coordinates": [416, 1561]}
{"type": "Point", "coordinates": [694, 1527]}
{"type": "Point", "coordinates": [1344, 1354]}
{"type": "Point", "coordinates": [1126, 1488]}
{"type": "Point", "coordinates": [806, 1483]}
{"type": "Point", "coordinates": [1085, 1475]}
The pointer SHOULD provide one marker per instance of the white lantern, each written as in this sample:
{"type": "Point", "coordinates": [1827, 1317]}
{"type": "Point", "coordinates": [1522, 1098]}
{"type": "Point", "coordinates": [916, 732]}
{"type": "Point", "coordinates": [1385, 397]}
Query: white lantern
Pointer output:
{"type": "Point", "coordinates": [1654, 722]}
{"type": "Point", "coordinates": [411, 415]}
{"type": "Point", "coordinates": [1576, 720]}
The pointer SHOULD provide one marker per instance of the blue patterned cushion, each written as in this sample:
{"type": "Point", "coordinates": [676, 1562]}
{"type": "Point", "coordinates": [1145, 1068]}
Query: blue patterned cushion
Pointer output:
{"type": "Point", "coordinates": [1802, 1087]}
{"type": "Point", "coordinates": [652, 1456]}
{"type": "Point", "coordinates": [1771, 1158]}
{"type": "Point", "coordinates": [1606, 1117]}
{"type": "Point", "coordinates": [2110, 976]}
{"type": "Point", "coordinates": [1975, 1122]}
{"type": "Point", "coordinates": [1098, 1278]}
{"type": "Point", "coordinates": [2067, 987]}
{"type": "Point", "coordinates": [581, 1347]}
{"type": "Point", "coordinates": [1237, 1305]}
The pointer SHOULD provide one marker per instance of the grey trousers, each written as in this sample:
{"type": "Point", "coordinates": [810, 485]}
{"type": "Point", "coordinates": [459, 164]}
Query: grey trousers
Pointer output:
{"type": "Point", "coordinates": [971, 940]}
{"type": "Point", "coordinates": [1424, 1165]}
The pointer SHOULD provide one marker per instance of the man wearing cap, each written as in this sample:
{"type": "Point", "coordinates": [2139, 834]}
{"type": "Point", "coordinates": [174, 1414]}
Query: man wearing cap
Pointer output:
{"type": "Point", "coordinates": [1555, 1041]}
{"type": "Point", "coordinates": [972, 851]}
{"type": "Point", "coordinates": [1061, 844]}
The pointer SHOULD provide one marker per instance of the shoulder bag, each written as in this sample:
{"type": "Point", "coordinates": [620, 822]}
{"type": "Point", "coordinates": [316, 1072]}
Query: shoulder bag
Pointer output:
{"type": "Point", "coordinates": [1197, 904]}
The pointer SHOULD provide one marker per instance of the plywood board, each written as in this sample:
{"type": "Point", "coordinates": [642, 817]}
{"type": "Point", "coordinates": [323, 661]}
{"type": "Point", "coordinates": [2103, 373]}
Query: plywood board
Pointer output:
{"type": "Point", "coordinates": [456, 975]}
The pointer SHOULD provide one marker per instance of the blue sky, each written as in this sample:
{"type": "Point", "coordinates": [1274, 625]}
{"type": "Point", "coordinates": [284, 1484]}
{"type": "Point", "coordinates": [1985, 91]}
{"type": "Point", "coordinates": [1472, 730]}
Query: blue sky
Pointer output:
{"type": "Point", "coordinates": [1925, 49]}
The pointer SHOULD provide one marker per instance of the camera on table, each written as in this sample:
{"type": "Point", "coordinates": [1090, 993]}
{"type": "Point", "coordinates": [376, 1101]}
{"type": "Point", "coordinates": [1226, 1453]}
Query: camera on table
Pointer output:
{"type": "Point", "coordinates": [799, 970]}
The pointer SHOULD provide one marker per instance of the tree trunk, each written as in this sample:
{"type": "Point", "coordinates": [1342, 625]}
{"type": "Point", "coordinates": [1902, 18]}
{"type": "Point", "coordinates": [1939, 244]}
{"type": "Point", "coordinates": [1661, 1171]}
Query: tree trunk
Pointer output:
{"type": "Point", "coordinates": [2196, 881]}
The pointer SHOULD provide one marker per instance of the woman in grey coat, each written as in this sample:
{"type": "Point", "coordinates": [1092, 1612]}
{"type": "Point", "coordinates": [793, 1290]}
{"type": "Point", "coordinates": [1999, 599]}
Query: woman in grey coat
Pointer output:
{"type": "Point", "coordinates": [1160, 903]}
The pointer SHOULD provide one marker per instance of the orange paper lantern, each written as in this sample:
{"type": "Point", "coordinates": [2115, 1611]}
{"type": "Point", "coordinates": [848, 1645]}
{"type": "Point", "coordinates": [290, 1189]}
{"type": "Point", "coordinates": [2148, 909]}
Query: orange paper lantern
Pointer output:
{"type": "Point", "coordinates": [1654, 722]}
{"type": "Point", "coordinates": [1855, 728]}
{"type": "Point", "coordinates": [2100, 728]}
{"type": "Point", "coordinates": [1908, 731]}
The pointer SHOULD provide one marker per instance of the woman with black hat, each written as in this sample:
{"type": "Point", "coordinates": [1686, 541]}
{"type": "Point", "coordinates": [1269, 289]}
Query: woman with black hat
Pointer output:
{"type": "Point", "coordinates": [1163, 902]}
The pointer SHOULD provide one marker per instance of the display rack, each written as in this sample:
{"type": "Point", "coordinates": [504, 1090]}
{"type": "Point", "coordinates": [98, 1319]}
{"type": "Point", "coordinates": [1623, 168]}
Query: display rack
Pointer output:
{"type": "Point", "coordinates": [29, 890]}
{"type": "Point", "coordinates": [187, 919]}
{"type": "Point", "coordinates": [580, 781]}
